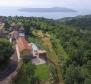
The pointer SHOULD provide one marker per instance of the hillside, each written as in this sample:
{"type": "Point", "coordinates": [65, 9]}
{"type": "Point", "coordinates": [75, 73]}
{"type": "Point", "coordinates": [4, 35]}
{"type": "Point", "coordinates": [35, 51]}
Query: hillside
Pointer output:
{"type": "Point", "coordinates": [68, 43]}
{"type": "Point", "coordinates": [83, 22]}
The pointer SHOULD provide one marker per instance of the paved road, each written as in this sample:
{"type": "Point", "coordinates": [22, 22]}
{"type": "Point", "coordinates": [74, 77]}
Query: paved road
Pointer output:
{"type": "Point", "coordinates": [10, 68]}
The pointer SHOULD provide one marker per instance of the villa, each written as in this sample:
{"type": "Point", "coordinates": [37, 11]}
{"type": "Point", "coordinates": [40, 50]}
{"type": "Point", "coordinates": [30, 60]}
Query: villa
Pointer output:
{"type": "Point", "coordinates": [24, 51]}
{"type": "Point", "coordinates": [29, 51]}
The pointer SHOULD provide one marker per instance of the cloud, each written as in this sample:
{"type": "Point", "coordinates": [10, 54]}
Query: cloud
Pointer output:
{"type": "Point", "coordinates": [13, 2]}
{"type": "Point", "coordinates": [77, 4]}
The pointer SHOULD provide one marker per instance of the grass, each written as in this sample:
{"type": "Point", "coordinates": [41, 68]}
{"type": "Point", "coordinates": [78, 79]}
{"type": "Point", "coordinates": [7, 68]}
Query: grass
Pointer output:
{"type": "Point", "coordinates": [42, 71]}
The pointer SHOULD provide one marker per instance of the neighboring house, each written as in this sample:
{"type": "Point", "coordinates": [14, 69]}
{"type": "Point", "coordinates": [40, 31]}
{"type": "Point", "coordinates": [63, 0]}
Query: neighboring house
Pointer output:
{"type": "Point", "coordinates": [13, 26]}
{"type": "Point", "coordinates": [38, 52]}
{"type": "Point", "coordinates": [24, 49]}
{"type": "Point", "coordinates": [2, 19]}
{"type": "Point", "coordinates": [42, 54]}
{"type": "Point", "coordinates": [21, 31]}
{"type": "Point", "coordinates": [39, 55]}
{"type": "Point", "coordinates": [13, 36]}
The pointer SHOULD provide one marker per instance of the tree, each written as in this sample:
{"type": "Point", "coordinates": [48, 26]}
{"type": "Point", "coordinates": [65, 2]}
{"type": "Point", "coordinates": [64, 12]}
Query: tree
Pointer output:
{"type": "Point", "coordinates": [73, 75]}
{"type": "Point", "coordinates": [7, 25]}
{"type": "Point", "coordinates": [26, 74]}
{"type": "Point", "coordinates": [5, 51]}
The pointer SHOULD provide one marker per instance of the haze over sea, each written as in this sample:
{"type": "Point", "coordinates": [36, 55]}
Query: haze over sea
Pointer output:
{"type": "Point", "coordinates": [4, 11]}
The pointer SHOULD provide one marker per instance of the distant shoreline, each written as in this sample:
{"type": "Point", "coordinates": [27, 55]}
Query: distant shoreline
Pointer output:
{"type": "Point", "coordinates": [55, 9]}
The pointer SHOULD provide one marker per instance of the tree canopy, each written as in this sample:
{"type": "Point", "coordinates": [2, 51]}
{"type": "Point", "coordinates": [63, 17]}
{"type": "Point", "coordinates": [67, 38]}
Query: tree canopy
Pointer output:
{"type": "Point", "coordinates": [5, 51]}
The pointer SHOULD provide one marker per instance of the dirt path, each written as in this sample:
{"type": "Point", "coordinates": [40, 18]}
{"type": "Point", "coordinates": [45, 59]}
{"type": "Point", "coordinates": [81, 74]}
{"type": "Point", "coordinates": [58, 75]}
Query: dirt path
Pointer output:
{"type": "Point", "coordinates": [53, 57]}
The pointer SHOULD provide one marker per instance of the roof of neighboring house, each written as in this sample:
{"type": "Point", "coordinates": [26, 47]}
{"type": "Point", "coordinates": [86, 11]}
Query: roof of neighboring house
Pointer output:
{"type": "Point", "coordinates": [23, 44]}
{"type": "Point", "coordinates": [21, 28]}
{"type": "Point", "coordinates": [14, 34]}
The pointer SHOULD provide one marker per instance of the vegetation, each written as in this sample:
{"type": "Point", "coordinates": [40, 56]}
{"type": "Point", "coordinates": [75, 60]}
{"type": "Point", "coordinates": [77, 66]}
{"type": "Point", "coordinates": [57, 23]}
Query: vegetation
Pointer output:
{"type": "Point", "coordinates": [26, 74]}
{"type": "Point", "coordinates": [5, 47]}
{"type": "Point", "coordinates": [68, 42]}
{"type": "Point", "coordinates": [32, 74]}
{"type": "Point", "coordinates": [75, 41]}
{"type": "Point", "coordinates": [42, 71]}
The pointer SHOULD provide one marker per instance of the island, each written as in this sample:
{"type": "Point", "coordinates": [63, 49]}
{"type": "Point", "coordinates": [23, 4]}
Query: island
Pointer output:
{"type": "Point", "coordinates": [53, 9]}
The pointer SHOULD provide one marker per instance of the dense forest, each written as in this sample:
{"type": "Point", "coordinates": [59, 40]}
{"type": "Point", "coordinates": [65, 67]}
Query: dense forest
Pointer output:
{"type": "Point", "coordinates": [70, 39]}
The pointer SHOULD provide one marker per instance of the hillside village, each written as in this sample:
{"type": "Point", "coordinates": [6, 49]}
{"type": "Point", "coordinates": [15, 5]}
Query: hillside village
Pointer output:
{"type": "Point", "coordinates": [24, 51]}
{"type": "Point", "coordinates": [45, 51]}
{"type": "Point", "coordinates": [36, 47]}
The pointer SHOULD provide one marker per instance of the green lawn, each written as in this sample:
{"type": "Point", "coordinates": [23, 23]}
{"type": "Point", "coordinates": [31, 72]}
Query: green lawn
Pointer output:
{"type": "Point", "coordinates": [42, 71]}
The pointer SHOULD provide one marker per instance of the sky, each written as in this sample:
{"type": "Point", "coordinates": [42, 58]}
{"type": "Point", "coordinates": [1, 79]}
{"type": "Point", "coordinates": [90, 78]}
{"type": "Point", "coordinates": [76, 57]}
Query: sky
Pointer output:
{"type": "Point", "coordinates": [75, 4]}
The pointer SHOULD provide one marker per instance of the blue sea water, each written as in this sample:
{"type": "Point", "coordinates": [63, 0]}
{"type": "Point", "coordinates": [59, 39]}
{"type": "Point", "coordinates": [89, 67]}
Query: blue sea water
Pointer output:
{"type": "Point", "coordinates": [52, 15]}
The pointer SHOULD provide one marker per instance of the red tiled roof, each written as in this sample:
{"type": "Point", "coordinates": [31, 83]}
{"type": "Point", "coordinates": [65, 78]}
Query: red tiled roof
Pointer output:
{"type": "Point", "coordinates": [23, 44]}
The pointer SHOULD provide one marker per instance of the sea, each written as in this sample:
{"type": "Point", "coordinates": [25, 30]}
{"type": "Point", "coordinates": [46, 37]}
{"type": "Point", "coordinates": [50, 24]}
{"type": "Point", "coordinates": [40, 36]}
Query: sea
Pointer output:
{"type": "Point", "coordinates": [13, 11]}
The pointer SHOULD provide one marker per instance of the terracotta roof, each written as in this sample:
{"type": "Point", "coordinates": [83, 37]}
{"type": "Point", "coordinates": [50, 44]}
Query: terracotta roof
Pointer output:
{"type": "Point", "coordinates": [23, 44]}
